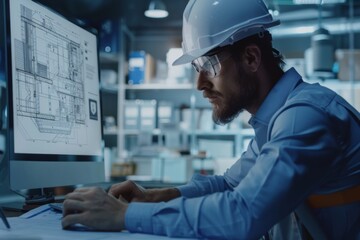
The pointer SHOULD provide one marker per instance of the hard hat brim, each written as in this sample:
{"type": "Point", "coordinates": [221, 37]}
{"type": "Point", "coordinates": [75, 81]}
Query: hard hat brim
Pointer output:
{"type": "Point", "coordinates": [191, 56]}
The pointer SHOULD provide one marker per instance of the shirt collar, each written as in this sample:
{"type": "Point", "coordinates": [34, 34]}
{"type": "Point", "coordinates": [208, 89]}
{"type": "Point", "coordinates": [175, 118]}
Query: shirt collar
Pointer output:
{"type": "Point", "coordinates": [276, 97]}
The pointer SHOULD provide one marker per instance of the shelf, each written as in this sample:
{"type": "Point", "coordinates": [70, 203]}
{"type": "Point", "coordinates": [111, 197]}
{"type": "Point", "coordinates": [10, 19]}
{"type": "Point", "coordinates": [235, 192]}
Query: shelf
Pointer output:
{"type": "Point", "coordinates": [244, 132]}
{"type": "Point", "coordinates": [112, 131]}
{"type": "Point", "coordinates": [330, 83]}
{"type": "Point", "coordinates": [109, 88]}
{"type": "Point", "coordinates": [137, 132]}
{"type": "Point", "coordinates": [158, 86]}
{"type": "Point", "coordinates": [108, 58]}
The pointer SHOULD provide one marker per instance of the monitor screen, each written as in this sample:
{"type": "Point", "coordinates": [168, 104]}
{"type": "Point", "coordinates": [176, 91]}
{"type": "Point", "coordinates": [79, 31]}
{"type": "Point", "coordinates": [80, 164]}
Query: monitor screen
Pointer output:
{"type": "Point", "coordinates": [55, 131]}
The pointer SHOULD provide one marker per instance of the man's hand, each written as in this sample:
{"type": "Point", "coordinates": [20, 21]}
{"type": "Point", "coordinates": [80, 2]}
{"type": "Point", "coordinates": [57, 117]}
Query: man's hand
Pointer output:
{"type": "Point", "coordinates": [135, 193]}
{"type": "Point", "coordinates": [94, 208]}
{"type": "Point", "coordinates": [130, 191]}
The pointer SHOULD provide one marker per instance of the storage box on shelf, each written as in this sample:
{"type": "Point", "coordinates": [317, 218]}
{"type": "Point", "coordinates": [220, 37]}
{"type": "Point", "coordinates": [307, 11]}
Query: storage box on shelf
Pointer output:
{"type": "Point", "coordinates": [344, 57]}
{"type": "Point", "coordinates": [141, 67]}
{"type": "Point", "coordinates": [350, 90]}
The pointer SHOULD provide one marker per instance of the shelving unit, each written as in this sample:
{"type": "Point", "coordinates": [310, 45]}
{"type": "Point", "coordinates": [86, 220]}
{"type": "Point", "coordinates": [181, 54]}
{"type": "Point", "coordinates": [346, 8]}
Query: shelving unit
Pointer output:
{"type": "Point", "coordinates": [160, 91]}
{"type": "Point", "coordinates": [113, 95]}
{"type": "Point", "coordinates": [186, 94]}
{"type": "Point", "coordinates": [109, 97]}
{"type": "Point", "coordinates": [182, 94]}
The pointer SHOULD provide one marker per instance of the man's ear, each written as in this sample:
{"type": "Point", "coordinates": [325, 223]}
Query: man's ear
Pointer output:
{"type": "Point", "coordinates": [252, 57]}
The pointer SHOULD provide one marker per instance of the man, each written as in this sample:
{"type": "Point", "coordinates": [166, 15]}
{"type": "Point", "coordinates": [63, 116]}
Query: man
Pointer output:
{"type": "Point", "coordinates": [306, 147]}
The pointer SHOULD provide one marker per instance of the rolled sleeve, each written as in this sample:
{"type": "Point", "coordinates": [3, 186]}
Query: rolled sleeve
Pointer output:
{"type": "Point", "coordinates": [174, 218]}
{"type": "Point", "coordinates": [138, 217]}
{"type": "Point", "coordinates": [201, 185]}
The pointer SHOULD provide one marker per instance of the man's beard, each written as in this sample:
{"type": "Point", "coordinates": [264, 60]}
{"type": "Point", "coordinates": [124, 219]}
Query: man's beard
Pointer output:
{"type": "Point", "coordinates": [237, 101]}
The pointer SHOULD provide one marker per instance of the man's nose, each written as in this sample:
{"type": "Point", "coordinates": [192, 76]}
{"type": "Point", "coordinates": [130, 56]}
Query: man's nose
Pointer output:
{"type": "Point", "coordinates": [203, 82]}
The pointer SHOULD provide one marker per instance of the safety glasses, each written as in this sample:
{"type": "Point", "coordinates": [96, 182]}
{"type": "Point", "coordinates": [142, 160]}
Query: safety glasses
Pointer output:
{"type": "Point", "coordinates": [210, 65]}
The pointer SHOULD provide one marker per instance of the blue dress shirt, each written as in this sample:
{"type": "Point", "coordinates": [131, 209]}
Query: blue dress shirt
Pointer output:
{"type": "Point", "coordinates": [307, 141]}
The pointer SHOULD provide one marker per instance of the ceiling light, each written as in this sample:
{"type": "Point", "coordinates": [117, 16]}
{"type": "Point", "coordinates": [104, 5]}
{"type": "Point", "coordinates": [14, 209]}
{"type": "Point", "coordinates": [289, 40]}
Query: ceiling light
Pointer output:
{"type": "Point", "coordinates": [157, 9]}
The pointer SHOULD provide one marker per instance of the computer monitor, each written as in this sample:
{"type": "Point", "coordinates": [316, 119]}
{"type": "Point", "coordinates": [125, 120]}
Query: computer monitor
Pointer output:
{"type": "Point", "coordinates": [55, 130]}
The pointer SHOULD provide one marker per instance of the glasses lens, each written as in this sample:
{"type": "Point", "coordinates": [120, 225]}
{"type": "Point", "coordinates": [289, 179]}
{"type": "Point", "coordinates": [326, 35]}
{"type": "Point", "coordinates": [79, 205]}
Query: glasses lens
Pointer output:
{"type": "Point", "coordinates": [210, 65]}
{"type": "Point", "coordinates": [196, 66]}
{"type": "Point", "coordinates": [208, 68]}
{"type": "Point", "coordinates": [205, 64]}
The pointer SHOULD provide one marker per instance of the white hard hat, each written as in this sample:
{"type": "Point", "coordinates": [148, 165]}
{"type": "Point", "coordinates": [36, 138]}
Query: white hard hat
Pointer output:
{"type": "Point", "coordinates": [208, 24]}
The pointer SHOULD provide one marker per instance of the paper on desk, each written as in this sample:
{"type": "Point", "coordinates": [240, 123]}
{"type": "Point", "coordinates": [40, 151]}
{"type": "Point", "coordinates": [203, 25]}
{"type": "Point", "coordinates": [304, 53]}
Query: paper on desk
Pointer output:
{"type": "Point", "coordinates": [42, 212]}
{"type": "Point", "coordinates": [45, 224]}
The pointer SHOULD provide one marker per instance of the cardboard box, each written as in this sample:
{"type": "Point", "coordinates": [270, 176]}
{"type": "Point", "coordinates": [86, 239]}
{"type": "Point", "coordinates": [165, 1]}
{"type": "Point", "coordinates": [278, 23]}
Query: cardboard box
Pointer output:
{"type": "Point", "coordinates": [343, 57]}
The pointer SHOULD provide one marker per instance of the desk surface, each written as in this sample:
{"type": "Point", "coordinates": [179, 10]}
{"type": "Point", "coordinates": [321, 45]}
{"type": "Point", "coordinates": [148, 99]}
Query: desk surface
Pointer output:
{"type": "Point", "coordinates": [50, 229]}
{"type": "Point", "coordinates": [44, 224]}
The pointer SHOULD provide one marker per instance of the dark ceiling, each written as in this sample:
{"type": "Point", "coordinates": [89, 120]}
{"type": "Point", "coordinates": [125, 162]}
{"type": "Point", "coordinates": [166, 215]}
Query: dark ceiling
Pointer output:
{"type": "Point", "coordinates": [94, 12]}
{"type": "Point", "coordinates": [131, 11]}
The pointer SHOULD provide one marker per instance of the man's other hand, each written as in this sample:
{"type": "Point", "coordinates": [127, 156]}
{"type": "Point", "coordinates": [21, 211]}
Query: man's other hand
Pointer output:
{"type": "Point", "coordinates": [94, 208]}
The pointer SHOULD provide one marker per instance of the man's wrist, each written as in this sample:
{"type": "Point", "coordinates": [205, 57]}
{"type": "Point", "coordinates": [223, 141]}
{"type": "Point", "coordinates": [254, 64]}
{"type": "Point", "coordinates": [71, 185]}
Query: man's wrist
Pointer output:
{"type": "Point", "coordinates": [123, 217]}
{"type": "Point", "coordinates": [162, 195]}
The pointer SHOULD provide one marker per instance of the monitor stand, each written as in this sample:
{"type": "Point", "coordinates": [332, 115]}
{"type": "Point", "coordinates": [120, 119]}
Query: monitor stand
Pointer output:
{"type": "Point", "coordinates": [35, 200]}
{"type": "Point", "coordinates": [22, 202]}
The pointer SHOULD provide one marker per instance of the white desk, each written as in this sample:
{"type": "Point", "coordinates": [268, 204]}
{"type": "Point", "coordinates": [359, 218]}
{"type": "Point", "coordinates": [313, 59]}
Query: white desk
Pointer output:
{"type": "Point", "coordinates": [45, 224]}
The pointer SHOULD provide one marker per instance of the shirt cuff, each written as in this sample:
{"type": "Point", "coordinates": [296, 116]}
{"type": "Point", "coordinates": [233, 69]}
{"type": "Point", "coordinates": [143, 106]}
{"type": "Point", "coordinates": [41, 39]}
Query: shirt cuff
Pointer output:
{"type": "Point", "coordinates": [138, 217]}
{"type": "Point", "coordinates": [186, 191]}
{"type": "Point", "coordinates": [195, 187]}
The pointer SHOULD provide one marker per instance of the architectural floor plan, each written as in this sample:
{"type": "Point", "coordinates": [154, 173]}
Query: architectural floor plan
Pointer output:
{"type": "Point", "coordinates": [49, 81]}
